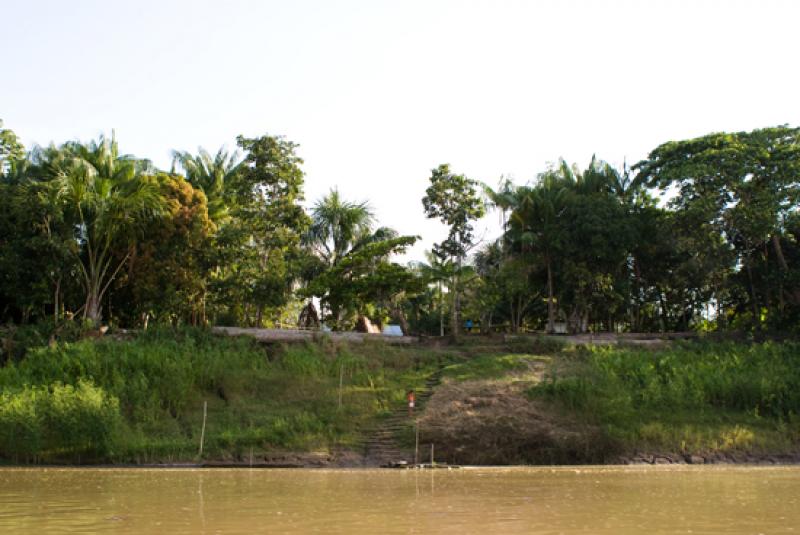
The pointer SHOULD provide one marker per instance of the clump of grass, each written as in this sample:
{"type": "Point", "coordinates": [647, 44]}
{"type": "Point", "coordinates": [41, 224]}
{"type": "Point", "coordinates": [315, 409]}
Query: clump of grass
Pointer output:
{"type": "Point", "coordinates": [51, 422]}
{"type": "Point", "coordinates": [539, 345]}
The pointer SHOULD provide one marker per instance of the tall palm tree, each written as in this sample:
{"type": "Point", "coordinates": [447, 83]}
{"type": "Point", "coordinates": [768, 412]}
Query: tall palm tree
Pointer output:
{"type": "Point", "coordinates": [210, 174]}
{"type": "Point", "coordinates": [340, 230]}
{"type": "Point", "coordinates": [437, 270]}
{"type": "Point", "coordinates": [108, 196]}
{"type": "Point", "coordinates": [534, 223]}
{"type": "Point", "coordinates": [339, 226]}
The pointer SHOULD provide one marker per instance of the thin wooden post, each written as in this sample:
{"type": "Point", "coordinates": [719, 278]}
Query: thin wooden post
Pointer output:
{"type": "Point", "coordinates": [203, 431]}
{"type": "Point", "coordinates": [432, 462]}
{"type": "Point", "coordinates": [416, 443]}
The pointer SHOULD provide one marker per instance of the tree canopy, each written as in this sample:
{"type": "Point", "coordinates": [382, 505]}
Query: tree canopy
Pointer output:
{"type": "Point", "coordinates": [702, 234]}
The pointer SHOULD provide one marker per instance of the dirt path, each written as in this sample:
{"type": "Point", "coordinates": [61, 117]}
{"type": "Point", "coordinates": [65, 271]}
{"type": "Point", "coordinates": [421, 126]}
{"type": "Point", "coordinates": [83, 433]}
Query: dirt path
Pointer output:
{"type": "Point", "coordinates": [297, 335]}
{"type": "Point", "coordinates": [382, 447]}
{"type": "Point", "coordinates": [495, 422]}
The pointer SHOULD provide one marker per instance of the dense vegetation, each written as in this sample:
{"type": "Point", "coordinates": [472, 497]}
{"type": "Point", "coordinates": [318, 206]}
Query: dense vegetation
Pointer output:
{"type": "Point", "coordinates": [91, 237]}
{"type": "Point", "coordinates": [696, 397]}
{"type": "Point", "coordinates": [89, 232]}
{"type": "Point", "coordinates": [141, 400]}
{"type": "Point", "coordinates": [532, 400]}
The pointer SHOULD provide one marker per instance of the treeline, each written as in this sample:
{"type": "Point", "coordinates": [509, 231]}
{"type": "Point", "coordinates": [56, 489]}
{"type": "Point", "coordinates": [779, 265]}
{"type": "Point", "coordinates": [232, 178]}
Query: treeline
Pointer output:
{"type": "Point", "coordinates": [89, 232]}
{"type": "Point", "coordinates": [719, 251]}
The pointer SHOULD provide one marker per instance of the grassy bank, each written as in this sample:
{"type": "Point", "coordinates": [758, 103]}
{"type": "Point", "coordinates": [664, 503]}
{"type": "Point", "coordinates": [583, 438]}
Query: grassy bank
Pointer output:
{"type": "Point", "coordinates": [688, 398]}
{"type": "Point", "coordinates": [532, 401]}
{"type": "Point", "coordinates": [141, 400]}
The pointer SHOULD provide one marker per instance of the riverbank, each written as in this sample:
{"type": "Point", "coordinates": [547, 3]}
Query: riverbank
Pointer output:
{"type": "Point", "coordinates": [687, 402]}
{"type": "Point", "coordinates": [527, 400]}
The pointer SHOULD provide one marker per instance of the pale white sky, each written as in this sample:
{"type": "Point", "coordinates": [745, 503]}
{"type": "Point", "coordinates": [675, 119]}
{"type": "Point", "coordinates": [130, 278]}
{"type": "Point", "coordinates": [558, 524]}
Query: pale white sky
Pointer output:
{"type": "Point", "coordinates": [377, 92]}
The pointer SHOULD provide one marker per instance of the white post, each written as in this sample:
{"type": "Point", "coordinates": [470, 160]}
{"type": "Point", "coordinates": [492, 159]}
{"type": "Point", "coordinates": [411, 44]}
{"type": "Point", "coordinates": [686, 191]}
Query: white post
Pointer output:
{"type": "Point", "coordinates": [416, 443]}
{"type": "Point", "coordinates": [203, 431]}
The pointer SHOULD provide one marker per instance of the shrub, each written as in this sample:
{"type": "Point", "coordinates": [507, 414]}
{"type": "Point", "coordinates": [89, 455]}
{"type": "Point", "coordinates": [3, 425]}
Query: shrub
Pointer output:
{"type": "Point", "coordinates": [57, 421]}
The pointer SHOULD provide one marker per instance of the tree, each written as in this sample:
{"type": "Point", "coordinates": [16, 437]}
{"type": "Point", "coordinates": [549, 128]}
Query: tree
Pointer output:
{"type": "Point", "coordinates": [454, 200]}
{"type": "Point", "coordinates": [535, 227]}
{"type": "Point", "coordinates": [437, 270]}
{"type": "Point", "coordinates": [37, 257]}
{"type": "Point", "coordinates": [108, 200]}
{"type": "Point", "coordinates": [11, 150]}
{"type": "Point", "coordinates": [337, 227]}
{"type": "Point", "coordinates": [213, 176]}
{"type": "Point", "coordinates": [167, 273]}
{"type": "Point", "coordinates": [743, 184]}
{"type": "Point", "coordinates": [258, 251]}
{"type": "Point", "coordinates": [506, 289]}
{"type": "Point", "coordinates": [354, 267]}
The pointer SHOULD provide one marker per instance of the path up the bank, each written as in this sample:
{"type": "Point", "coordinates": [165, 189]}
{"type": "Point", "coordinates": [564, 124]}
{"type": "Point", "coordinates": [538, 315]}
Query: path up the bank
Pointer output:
{"type": "Point", "coordinates": [382, 447]}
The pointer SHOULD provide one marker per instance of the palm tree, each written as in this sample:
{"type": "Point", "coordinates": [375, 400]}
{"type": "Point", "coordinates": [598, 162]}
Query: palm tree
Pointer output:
{"type": "Point", "coordinates": [107, 196]}
{"type": "Point", "coordinates": [534, 223]}
{"type": "Point", "coordinates": [210, 174]}
{"type": "Point", "coordinates": [339, 226]}
{"type": "Point", "coordinates": [437, 270]}
{"type": "Point", "coordinates": [339, 231]}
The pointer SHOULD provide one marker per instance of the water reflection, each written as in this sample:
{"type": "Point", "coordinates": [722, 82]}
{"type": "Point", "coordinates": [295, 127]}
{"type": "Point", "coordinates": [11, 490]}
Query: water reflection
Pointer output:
{"type": "Point", "coordinates": [519, 500]}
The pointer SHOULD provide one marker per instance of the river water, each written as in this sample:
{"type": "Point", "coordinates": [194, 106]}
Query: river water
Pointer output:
{"type": "Point", "coordinates": [686, 499]}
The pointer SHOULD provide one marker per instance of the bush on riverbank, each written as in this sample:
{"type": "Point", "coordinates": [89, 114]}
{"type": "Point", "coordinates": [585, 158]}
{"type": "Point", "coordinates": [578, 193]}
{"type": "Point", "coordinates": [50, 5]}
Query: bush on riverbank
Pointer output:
{"type": "Point", "coordinates": [47, 421]}
{"type": "Point", "coordinates": [689, 397]}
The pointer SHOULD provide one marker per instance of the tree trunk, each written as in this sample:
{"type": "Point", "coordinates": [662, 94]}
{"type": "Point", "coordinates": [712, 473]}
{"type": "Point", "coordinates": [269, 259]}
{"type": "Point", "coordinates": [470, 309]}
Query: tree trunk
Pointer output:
{"type": "Point", "coordinates": [454, 320]}
{"type": "Point", "coordinates": [518, 314]}
{"type": "Point", "coordinates": [93, 308]}
{"type": "Point", "coordinates": [753, 296]}
{"type": "Point", "coordinates": [441, 310]}
{"type": "Point", "coordinates": [551, 316]}
{"type": "Point", "coordinates": [401, 319]}
{"type": "Point", "coordinates": [55, 301]}
{"type": "Point", "coordinates": [794, 293]}
{"type": "Point", "coordinates": [663, 311]}
{"type": "Point", "coordinates": [638, 289]}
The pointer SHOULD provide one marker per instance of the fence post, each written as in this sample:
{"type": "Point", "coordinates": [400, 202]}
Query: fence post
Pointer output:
{"type": "Point", "coordinates": [416, 443]}
{"type": "Point", "coordinates": [203, 431]}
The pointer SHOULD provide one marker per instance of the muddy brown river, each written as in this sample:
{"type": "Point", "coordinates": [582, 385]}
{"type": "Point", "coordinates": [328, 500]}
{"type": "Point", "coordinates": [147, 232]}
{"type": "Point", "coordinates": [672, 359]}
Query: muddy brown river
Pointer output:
{"type": "Point", "coordinates": [649, 500]}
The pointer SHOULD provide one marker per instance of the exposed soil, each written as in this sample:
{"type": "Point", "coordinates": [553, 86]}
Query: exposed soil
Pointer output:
{"type": "Point", "coordinates": [493, 422]}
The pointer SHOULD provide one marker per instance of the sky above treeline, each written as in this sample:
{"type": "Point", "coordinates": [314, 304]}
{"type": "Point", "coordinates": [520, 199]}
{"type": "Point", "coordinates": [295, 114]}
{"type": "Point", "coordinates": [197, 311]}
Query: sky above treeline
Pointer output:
{"type": "Point", "coordinates": [377, 93]}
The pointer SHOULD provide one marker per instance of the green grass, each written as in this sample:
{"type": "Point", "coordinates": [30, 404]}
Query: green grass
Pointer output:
{"type": "Point", "coordinates": [491, 366]}
{"type": "Point", "coordinates": [141, 400]}
{"type": "Point", "coordinates": [154, 388]}
{"type": "Point", "coordinates": [690, 397]}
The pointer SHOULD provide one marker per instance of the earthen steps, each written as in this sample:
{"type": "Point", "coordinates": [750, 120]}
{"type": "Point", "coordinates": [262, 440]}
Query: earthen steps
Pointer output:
{"type": "Point", "coordinates": [380, 445]}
